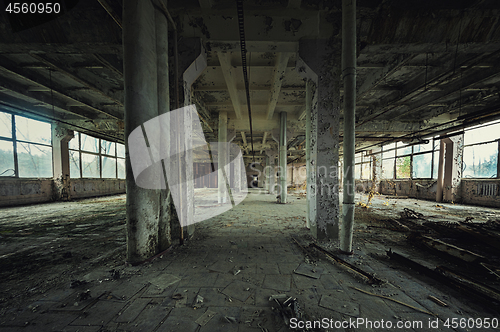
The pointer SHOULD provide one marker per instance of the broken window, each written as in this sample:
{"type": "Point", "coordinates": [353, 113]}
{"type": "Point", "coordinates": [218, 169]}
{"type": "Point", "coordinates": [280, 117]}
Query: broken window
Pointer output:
{"type": "Point", "coordinates": [388, 169]}
{"type": "Point", "coordinates": [7, 167]}
{"type": "Point", "coordinates": [422, 166]}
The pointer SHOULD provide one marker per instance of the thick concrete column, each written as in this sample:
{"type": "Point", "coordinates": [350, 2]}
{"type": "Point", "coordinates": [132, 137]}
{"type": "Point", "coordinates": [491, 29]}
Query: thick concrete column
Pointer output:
{"type": "Point", "coordinates": [266, 175]}
{"type": "Point", "coordinates": [165, 219]}
{"type": "Point", "coordinates": [310, 148]}
{"type": "Point", "coordinates": [236, 183]}
{"type": "Point", "coordinates": [222, 159]}
{"type": "Point", "coordinates": [453, 168]}
{"type": "Point", "coordinates": [319, 61]}
{"type": "Point", "coordinates": [60, 162]}
{"type": "Point", "coordinates": [141, 105]}
{"type": "Point", "coordinates": [349, 77]}
{"type": "Point", "coordinates": [283, 159]}
{"type": "Point", "coordinates": [272, 154]}
{"type": "Point", "coordinates": [440, 177]}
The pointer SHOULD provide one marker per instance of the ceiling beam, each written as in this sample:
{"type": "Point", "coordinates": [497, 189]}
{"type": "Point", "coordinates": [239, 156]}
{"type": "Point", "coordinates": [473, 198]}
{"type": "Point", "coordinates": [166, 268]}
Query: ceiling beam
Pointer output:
{"type": "Point", "coordinates": [279, 75]}
{"type": "Point", "coordinates": [252, 88]}
{"type": "Point", "coordinates": [61, 48]}
{"type": "Point", "coordinates": [205, 4]}
{"type": "Point", "coordinates": [42, 84]}
{"type": "Point", "coordinates": [377, 77]}
{"type": "Point", "coordinates": [419, 48]}
{"type": "Point", "coordinates": [225, 62]}
{"type": "Point", "coordinates": [72, 73]}
{"type": "Point", "coordinates": [114, 15]}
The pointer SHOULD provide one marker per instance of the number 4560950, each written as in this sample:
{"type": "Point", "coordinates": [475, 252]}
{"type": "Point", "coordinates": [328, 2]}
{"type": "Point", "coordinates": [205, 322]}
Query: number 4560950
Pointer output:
{"type": "Point", "coordinates": [33, 8]}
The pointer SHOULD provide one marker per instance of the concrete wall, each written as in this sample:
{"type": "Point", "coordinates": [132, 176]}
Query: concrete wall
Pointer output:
{"type": "Point", "coordinates": [421, 189]}
{"type": "Point", "coordinates": [299, 174]}
{"type": "Point", "coordinates": [481, 192]}
{"type": "Point", "coordinates": [30, 191]}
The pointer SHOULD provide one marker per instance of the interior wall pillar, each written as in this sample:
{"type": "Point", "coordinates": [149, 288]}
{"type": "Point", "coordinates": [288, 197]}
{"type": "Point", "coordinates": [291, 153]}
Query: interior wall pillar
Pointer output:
{"type": "Point", "coordinates": [453, 168]}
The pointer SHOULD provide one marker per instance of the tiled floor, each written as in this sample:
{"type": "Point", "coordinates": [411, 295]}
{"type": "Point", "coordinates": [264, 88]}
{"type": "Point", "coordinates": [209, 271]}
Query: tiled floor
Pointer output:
{"type": "Point", "coordinates": [230, 269]}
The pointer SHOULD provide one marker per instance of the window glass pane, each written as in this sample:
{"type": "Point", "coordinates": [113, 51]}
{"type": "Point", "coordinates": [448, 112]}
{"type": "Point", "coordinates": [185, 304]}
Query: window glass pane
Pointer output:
{"type": "Point", "coordinates": [90, 166]}
{"type": "Point", "coordinates": [108, 167]}
{"type": "Point", "coordinates": [74, 164]}
{"type": "Point", "coordinates": [481, 134]}
{"type": "Point", "coordinates": [32, 130]}
{"type": "Point", "coordinates": [5, 125]}
{"type": "Point", "coordinates": [422, 166]}
{"type": "Point", "coordinates": [480, 161]}
{"type": "Point", "coordinates": [35, 161]}
{"type": "Point", "coordinates": [121, 168]}
{"type": "Point", "coordinates": [73, 143]}
{"type": "Point", "coordinates": [436, 165]}
{"type": "Point", "coordinates": [357, 158]}
{"type": "Point", "coordinates": [423, 147]}
{"type": "Point", "coordinates": [365, 171]}
{"type": "Point", "coordinates": [107, 147]}
{"type": "Point", "coordinates": [403, 149]}
{"type": "Point", "coordinates": [388, 154]}
{"type": "Point", "coordinates": [403, 168]}
{"type": "Point", "coordinates": [357, 171]}
{"type": "Point", "coordinates": [89, 143]}
{"type": "Point", "coordinates": [388, 169]}
{"type": "Point", "coordinates": [6, 158]}
{"type": "Point", "coordinates": [120, 150]}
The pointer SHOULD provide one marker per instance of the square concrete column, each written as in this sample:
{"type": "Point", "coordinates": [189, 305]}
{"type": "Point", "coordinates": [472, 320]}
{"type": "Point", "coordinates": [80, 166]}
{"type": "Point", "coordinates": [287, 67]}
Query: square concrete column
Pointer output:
{"type": "Point", "coordinates": [453, 168]}
{"type": "Point", "coordinates": [222, 175]}
{"type": "Point", "coordinates": [283, 159]}
{"type": "Point", "coordinates": [272, 154]}
{"type": "Point", "coordinates": [60, 161]}
{"type": "Point", "coordinates": [141, 105]}
{"type": "Point", "coordinates": [236, 183]}
{"type": "Point", "coordinates": [319, 62]}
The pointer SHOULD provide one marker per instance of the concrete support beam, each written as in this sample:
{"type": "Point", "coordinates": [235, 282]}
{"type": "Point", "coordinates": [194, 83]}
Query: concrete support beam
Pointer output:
{"type": "Point", "coordinates": [225, 62]}
{"type": "Point", "coordinates": [279, 75]}
{"type": "Point", "coordinates": [141, 105]}
{"type": "Point", "coordinates": [266, 174]}
{"type": "Point", "coordinates": [319, 61]}
{"type": "Point", "coordinates": [236, 184]}
{"type": "Point", "coordinates": [453, 168]}
{"type": "Point", "coordinates": [222, 195]}
{"type": "Point", "coordinates": [310, 154]}
{"type": "Point", "coordinates": [349, 78]}
{"type": "Point", "coordinates": [60, 162]}
{"type": "Point", "coordinates": [166, 205]}
{"type": "Point", "coordinates": [272, 154]}
{"type": "Point", "coordinates": [283, 159]}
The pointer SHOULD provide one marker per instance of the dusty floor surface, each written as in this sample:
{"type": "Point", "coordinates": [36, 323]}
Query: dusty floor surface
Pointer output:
{"type": "Point", "coordinates": [62, 269]}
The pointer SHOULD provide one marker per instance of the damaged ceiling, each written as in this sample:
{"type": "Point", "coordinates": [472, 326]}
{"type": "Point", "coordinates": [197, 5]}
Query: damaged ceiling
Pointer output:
{"type": "Point", "coordinates": [424, 67]}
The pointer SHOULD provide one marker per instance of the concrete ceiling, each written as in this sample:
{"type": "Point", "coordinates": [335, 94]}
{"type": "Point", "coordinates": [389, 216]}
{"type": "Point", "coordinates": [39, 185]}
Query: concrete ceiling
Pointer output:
{"type": "Point", "coordinates": [423, 66]}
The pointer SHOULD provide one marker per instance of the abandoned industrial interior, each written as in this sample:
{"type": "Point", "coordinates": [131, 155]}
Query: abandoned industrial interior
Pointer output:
{"type": "Point", "coordinates": [256, 165]}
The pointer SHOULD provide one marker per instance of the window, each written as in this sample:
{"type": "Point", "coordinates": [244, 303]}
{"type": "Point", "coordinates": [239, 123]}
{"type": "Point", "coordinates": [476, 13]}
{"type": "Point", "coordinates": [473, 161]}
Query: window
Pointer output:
{"type": "Point", "coordinates": [481, 149]}
{"type": "Point", "coordinates": [362, 167]}
{"type": "Point", "coordinates": [403, 161]}
{"type": "Point", "coordinates": [25, 147]}
{"type": "Point", "coordinates": [91, 157]}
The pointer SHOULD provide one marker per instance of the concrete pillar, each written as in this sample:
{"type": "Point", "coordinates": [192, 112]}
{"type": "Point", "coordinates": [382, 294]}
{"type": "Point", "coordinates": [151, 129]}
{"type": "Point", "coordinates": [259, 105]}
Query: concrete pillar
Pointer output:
{"type": "Point", "coordinates": [310, 148]}
{"type": "Point", "coordinates": [222, 159]}
{"type": "Point", "coordinates": [141, 105]}
{"type": "Point", "coordinates": [60, 162]}
{"type": "Point", "coordinates": [165, 219]}
{"type": "Point", "coordinates": [283, 159]}
{"type": "Point", "coordinates": [453, 168]}
{"type": "Point", "coordinates": [440, 175]}
{"type": "Point", "coordinates": [236, 183]}
{"type": "Point", "coordinates": [266, 175]}
{"type": "Point", "coordinates": [349, 77]}
{"type": "Point", "coordinates": [319, 62]}
{"type": "Point", "coordinates": [272, 154]}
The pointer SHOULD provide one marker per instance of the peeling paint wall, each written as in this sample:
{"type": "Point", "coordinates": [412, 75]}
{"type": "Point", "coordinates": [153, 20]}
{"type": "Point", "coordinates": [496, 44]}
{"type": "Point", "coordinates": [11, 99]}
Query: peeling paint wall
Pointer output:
{"type": "Point", "coordinates": [31, 191]}
{"type": "Point", "coordinates": [421, 189]}
{"type": "Point", "coordinates": [481, 192]}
